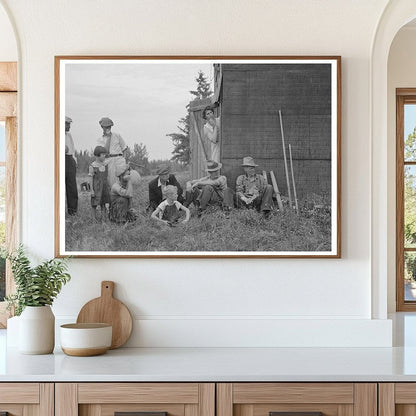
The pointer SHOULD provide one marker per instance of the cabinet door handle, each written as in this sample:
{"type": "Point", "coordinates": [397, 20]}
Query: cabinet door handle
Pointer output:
{"type": "Point", "coordinates": [139, 414]}
{"type": "Point", "coordinates": [295, 413]}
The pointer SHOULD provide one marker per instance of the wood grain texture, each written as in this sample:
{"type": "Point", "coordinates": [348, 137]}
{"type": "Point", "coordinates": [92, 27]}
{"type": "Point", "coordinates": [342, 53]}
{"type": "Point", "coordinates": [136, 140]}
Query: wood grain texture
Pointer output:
{"type": "Point", "coordinates": [91, 410]}
{"type": "Point", "coordinates": [224, 399]}
{"type": "Point", "coordinates": [30, 410]}
{"type": "Point", "coordinates": [386, 399]}
{"type": "Point", "coordinates": [190, 410]}
{"type": "Point", "coordinates": [405, 393]}
{"type": "Point", "coordinates": [405, 410]}
{"type": "Point", "coordinates": [339, 393]}
{"type": "Point", "coordinates": [207, 399]}
{"type": "Point", "coordinates": [66, 399]}
{"type": "Point", "coordinates": [403, 96]}
{"type": "Point", "coordinates": [47, 399]}
{"type": "Point", "coordinates": [11, 207]}
{"type": "Point", "coordinates": [365, 399]}
{"type": "Point", "coordinates": [19, 393]}
{"type": "Point", "coordinates": [346, 410]}
{"type": "Point", "coordinates": [326, 409]}
{"type": "Point", "coordinates": [8, 105]}
{"type": "Point", "coordinates": [400, 305]}
{"type": "Point", "coordinates": [8, 76]}
{"type": "Point", "coordinates": [57, 155]}
{"type": "Point", "coordinates": [138, 393]}
{"type": "Point", "coordinates": [107, 309]}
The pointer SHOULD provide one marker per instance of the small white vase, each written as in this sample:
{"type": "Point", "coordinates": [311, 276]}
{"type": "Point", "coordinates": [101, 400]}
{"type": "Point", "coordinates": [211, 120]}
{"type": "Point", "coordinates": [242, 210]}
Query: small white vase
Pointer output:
{"type": "Point", "coordinates": [37, 330]}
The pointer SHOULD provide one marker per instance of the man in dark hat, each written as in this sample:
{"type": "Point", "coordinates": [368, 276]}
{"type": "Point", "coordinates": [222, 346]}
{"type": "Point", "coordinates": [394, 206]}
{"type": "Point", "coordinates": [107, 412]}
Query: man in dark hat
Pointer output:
{"type": "Point", "coordinates": [71, 188]}
{"type": "Point", "coordinates": [209, 190]}
{"type": "Point", "coordinates": [115, 146]}
{"type": "Point", "coordinates": [252, 191]}
{"type": "Point", "coordinates": [159, 184]}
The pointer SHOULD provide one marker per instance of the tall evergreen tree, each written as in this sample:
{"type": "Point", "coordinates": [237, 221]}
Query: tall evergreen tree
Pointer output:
{"type": "Point", "coordinates": [181, 141]}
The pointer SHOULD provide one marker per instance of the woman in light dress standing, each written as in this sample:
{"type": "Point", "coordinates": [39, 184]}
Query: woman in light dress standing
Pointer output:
{"type": "Point", "coordinates": [212, 132]}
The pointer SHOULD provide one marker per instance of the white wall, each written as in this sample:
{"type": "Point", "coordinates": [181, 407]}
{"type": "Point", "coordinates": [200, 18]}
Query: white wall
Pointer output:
{"type": "Point", "coordinates": [401, 74]}
{"type": "Point", "coordinates": [8, 46]}
{"type": "Point", "coordinates": [198, 302]}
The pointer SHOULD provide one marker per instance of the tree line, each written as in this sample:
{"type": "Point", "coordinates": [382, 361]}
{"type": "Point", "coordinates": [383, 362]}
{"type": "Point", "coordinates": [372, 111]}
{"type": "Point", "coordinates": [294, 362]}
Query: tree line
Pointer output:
{"type": "Point", "coordinates": [137, 156]}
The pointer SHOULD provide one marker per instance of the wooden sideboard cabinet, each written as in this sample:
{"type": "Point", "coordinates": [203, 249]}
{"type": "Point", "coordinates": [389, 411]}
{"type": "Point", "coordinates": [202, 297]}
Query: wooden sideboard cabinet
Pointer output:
{"type": "Point", "coordinates": [208, 399]}
{"type": "Point", "coordinates": [331, 399]}
{"type": "Point", "coordinates": [27, 399]}
{"type": "Point", "coordinates": [106, 399]}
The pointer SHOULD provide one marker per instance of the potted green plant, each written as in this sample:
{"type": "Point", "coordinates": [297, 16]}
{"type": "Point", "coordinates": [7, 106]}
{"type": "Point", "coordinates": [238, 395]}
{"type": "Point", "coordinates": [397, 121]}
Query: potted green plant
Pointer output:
{"type": "Point", "coordinates": [36, 289]}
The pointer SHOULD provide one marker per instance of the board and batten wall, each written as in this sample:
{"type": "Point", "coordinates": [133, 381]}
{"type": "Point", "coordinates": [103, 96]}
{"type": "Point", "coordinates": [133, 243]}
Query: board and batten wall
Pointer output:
{"type": "Point", "coordinates": [250, 103]}
{"type": "Point", "coordinates": [210, 302]}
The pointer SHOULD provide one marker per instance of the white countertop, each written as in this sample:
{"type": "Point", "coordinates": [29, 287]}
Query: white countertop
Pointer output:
{"type": "Point", "coordinates": [215, 364]}
{"type": "Point", "coordinates": [221, 364]}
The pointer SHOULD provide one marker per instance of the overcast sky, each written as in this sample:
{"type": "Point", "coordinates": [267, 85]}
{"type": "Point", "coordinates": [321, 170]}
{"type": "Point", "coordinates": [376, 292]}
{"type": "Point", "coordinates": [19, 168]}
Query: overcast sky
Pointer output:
{"type": "Point", "coordinates": [145, 101]}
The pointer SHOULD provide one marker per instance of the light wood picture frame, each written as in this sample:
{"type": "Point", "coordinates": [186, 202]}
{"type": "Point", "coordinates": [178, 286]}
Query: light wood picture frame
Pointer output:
{"type": "Point", "coordinates": [252, 145]}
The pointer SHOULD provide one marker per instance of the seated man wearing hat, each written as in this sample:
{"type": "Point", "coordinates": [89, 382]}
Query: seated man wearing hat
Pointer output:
{"type": "Point", "coordinates": [158, 185]}
{"type": "Point", "coordinates": [209, 190]}
{"type": "Point", "coordinates": [252, 191]}
{"type": "Point", "coordinates": [115, 146]}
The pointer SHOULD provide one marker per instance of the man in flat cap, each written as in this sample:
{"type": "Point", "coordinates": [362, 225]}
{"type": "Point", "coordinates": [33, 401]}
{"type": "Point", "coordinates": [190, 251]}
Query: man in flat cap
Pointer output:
{"type": "Point", "coordinates": [252, 191]}
{"type": "Point", "coordinates": [71, 188]}
{"type": "Point", "coordinates": [210, 190]}
{"type": "Point", "coordinates": [158, 185]}
{"type": "Point", "coordinates": [116, 148]}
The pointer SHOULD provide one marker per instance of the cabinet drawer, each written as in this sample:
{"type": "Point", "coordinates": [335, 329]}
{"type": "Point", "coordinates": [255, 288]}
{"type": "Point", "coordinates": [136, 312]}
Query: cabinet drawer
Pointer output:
{"type": "Point", "coordinates": [309, 399]}
{"type": "Point", "coordinates": [147, 399]}
{"type": "Point", "coordinates": [21, 399]}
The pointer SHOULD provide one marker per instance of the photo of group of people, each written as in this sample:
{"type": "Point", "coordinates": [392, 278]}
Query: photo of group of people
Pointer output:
{"type": "Point", "coordinates": [130, 186]}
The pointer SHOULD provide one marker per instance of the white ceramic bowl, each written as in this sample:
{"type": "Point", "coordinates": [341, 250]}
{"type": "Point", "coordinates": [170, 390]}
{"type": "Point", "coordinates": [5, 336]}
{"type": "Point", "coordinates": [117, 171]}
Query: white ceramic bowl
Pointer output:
{"type": "Point", "coordinates": [83, 340]}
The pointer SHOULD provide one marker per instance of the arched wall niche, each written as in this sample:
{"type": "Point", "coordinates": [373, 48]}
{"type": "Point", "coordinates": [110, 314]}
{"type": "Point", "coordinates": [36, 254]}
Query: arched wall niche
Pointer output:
{"type": "Point", "coordinates": [396, 15]}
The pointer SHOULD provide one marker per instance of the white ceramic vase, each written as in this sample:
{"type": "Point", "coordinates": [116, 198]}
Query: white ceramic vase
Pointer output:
{"type": "Point", "coordinates": [37, 330]}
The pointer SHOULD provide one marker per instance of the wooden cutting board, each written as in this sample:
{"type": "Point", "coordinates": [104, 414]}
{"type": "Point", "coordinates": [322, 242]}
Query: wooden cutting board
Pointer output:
{"type": "Point", "coordinates": [108, 310]}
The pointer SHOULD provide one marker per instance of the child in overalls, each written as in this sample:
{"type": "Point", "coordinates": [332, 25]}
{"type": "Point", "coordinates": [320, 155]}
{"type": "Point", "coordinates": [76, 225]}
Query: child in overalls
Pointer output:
{"type": "Point", "coordinates": [100, 190]}
{"type": "Point", "coordinates": [169, 210]}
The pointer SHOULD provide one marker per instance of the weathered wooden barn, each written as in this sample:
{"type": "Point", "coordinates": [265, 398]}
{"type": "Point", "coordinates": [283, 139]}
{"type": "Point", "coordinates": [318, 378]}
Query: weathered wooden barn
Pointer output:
{"type": "Point", "coordinates": [250, 97]}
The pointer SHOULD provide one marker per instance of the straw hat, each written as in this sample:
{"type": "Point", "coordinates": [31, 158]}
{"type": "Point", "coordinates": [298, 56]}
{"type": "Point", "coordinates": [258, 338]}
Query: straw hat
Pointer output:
{"type": "Point", "coordinates": [213, 166]}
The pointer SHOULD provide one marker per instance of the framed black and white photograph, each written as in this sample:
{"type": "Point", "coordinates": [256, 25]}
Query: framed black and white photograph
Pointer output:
{"type": "Point", "coordinates": [198, 156]}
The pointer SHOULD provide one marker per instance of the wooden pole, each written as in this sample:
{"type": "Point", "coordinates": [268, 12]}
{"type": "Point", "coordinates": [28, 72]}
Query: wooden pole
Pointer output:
{"type": "Point", "coordinates": [285, 159]}
{"type": "Point", "coordinates": [276, 191]}
{"type": "Point", "coordinates": [265, 177]}
{"type": "Point", "coordinates": [293, 180]}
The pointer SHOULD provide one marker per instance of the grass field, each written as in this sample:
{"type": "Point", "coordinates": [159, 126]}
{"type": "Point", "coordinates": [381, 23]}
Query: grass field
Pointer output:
{"type": "Point", "coordinates": [245, 230]}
